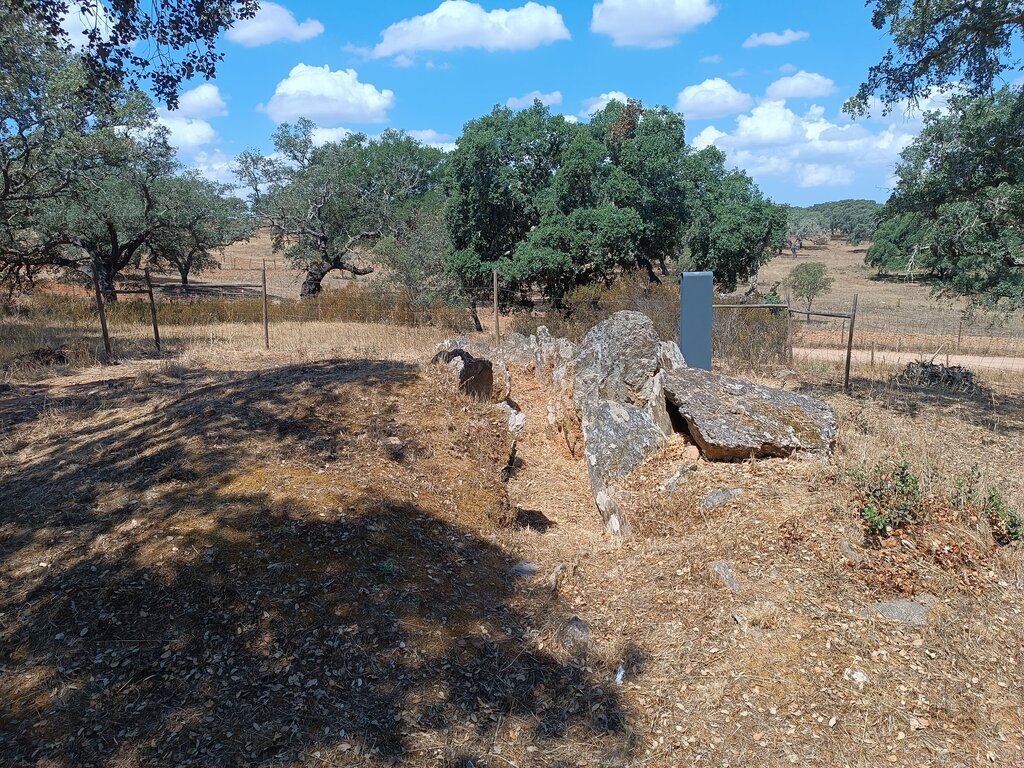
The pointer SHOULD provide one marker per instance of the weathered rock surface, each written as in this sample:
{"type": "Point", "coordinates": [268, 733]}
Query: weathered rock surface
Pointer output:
{"type": "Point", "coordinates": [724, 573]}
{"type": "Point", "coordinates": [524, 569]}
{"type": "Point", "coordinates": [475, 375]}
{"type": "Point", "coordinates": [720, 497]}
{"type": "Point", "coordinates": [623, 393]}
{"type": "Point", "coordinates": [914, 613]}
{"type": "Point", "coordinates": [733, 420]}
{"type": "Point", "coordinates": [574, 635]}
{"type": "Point", "coordinates": [617, 438]}
{"type": "Point", "coordinates": [516, 349]}
{"type": "Point", "coordinates": [516, 418]}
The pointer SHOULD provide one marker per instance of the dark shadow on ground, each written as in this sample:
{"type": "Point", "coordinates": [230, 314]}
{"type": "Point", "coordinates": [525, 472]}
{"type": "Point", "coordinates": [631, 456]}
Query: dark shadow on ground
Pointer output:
{"type": "Point", "coordinates": [264, 628]}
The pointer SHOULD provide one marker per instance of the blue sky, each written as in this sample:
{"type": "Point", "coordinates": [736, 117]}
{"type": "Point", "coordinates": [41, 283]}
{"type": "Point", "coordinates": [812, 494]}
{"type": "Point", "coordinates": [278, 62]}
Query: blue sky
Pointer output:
{"type": "Point", "coordinates": [765, 81]}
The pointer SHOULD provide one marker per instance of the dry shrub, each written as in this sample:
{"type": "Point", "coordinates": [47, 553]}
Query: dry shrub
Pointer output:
{"type": "Point", "coordinates": [749, 336]}
{"type": "Point", "coordinates": [588, 305]}
{"type": "Point", "coordinates": [740, 337]}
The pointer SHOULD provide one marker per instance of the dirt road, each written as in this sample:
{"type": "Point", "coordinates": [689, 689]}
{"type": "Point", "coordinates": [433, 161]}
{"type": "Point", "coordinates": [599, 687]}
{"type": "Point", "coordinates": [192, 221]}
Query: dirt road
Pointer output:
{"type": "Point", "coordinates": [889, 357]}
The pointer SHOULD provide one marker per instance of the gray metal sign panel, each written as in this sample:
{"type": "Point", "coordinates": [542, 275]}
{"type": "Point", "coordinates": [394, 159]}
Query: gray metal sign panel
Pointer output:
{"type": "Point", "coordinates": [695, 291]}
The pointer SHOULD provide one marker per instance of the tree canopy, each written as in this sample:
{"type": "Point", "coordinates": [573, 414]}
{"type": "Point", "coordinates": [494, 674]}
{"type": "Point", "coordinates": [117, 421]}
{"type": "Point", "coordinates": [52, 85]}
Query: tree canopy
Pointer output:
{"type": "Point", "coordinates": [939, 43]}
{"type": "Point", "coordinates": [958, 207]}
{"type": "Point", "coordinates": [325, 205]}
{"type": "Point", "coordinates": [552, 205]}
{"type": "Point", "coordinates": [856, 219]}
{"type": "Point", "coordinates": [129, 42]}
{"type": "Point", "coordinates": [808, 281]}
{"type": "Point", "coordinates": [88, 180]}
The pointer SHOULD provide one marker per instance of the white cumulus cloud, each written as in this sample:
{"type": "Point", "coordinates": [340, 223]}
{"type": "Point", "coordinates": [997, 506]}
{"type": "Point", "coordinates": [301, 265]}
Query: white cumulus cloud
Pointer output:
{"type": "Point", "coordinates": [802, 85]}
{"type": "Point", "coordinates": [649, 23]}
{"type": "Point", "coordinates": [821, 175]}
{"type": "Point", "coordinates": [712, 98]}
{"type": "Point", "coordinates": [775, 38]}
{"type": "Point", "coordinates": [216, 166]}
{"type": "Point", "coordinates": [526, 100]}
{"type": "Point", "coordinates": [712, 59]}
{"type": "Point", "coordinates": [457, 24]}
{"type": "Point", "coordinates": [321, 136]}
{"type": "Point", "coordinates": [186, 133]}
{"type": "Point", "coordinates": [597, 103]}
{"type": "Point", "coordinates": [327, 97]}
{"type": "Point", "coordinates": [202, 101]}
{"type": "Point", "coordinates": [811, 149]}
{"type": "Point", "coordinates": [271, 24]}
{"type": "Point", "coordinates": [78, 23]}
{"type": "Point", "coordinates": [432, 138]}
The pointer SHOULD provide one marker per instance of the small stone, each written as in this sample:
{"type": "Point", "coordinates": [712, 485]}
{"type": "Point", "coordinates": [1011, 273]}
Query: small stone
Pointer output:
{"type": "Point", "coordinates": [720, 497]}
{"type": "Point", "coordinates": [691, 454]}
{"type": "Point", "coordinates": [516, 419]}
{"type": "Point", "coordinates": [575, 635]}
{"type": "Point", "coordinates": [725, 574]}
{"type": "Point", "coordinates": [524, 569]}
{"type": "Point", "coordinates": [858, 676]}
{"type": "Point", "coordinates": [914, 613]}
{"type": "Point", "coordinates": [848, 551]}
{"type": "Point", "coordinates": [671, 485]}
{"type": "Point", "coordinates": [395, 447]}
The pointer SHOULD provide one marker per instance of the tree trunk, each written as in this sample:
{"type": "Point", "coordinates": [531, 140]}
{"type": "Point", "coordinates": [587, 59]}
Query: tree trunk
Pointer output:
{"type": "Point", "coordinates": [184, 275]}
{"type": "Point", "coordinates": [105, 280]}
{"type": "Point", "coordinates": [475, 315]}
{"type": "Point", "coordinates": [311, 286]}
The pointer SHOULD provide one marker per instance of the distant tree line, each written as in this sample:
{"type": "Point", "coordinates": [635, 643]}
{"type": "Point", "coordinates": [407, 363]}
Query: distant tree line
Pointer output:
{"type": "Point", "coordinates": [854, 219]}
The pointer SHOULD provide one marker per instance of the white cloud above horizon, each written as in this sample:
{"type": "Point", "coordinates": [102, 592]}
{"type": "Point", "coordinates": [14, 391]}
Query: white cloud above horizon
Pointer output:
{"type": "Point", "coordinates": [714, 97]}
{"type": "Point", "coordinates": [443, 141]}
{"type": "Point", "coordinates": [273, 23]}
{"type": "Point", "coordinates": [527, 99]}
{"type": "Point", "coordinates": [78, 22]}
{"type": "Point", "coordinates": [187, 126]}
{"type": "Point", "coordinates": [811, 150]}
{"type": "Point", "coordinates": [202, 101]}
{"type": "Point", "coordinates": [714, 58]}
{"type": "Point", "coordinates": [597, 103]}
{"type": "Point", "coordinates": [775, 38]}
{"type": "Point", "coordinates": [327, 97]}
{"type": "Point", "coordinates": [460, 24]}
{"type": "Point", "coordinates": [802, 85]}
{"type": "Point", "coordinates": [186, 134]}
{"type": "Point", "coordinates": [217, 166]}
{"type": "Point", "coordinates": [649, 23]}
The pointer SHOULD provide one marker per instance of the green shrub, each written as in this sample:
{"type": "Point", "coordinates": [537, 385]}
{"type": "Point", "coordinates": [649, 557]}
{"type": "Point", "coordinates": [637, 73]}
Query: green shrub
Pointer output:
{"type": "Point", "coordinates": [891, 499]}
{"type": "Point", "coordinates": [1007, 526]}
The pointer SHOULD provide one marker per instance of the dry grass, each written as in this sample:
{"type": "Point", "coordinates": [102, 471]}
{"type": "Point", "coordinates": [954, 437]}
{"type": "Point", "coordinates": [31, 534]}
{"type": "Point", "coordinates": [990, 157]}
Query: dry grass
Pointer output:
{"type": "Point", "coordinates": [257, 498]}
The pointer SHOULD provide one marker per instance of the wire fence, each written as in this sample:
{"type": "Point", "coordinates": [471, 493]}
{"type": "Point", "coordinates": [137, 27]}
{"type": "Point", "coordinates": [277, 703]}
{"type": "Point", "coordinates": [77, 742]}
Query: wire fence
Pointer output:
{"type": "Point", "coordinates": [372, 321]}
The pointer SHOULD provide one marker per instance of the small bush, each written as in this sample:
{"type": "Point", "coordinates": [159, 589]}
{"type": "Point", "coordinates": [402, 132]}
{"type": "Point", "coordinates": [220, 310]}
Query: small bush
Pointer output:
{"type": "Point", "coordinates": [1007, 526]}
{"type": "Point", "coordinates": [891, 499]}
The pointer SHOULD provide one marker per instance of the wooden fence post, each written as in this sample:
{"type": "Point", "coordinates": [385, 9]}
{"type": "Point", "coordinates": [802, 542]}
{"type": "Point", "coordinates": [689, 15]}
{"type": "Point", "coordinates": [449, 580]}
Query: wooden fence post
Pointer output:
{"type": "Point", "coordinates": [497, 330]}
{"type": "Point", "coordinates": [152, 310]}
{"type": "Point", "coordinates": [266, 319]}
{"type": "Point", "coordinates": [789, 330]}
{"type": "Point", "coordinates": [849, 345]}
{"type": "Point", "coordinates": [103, 314]}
